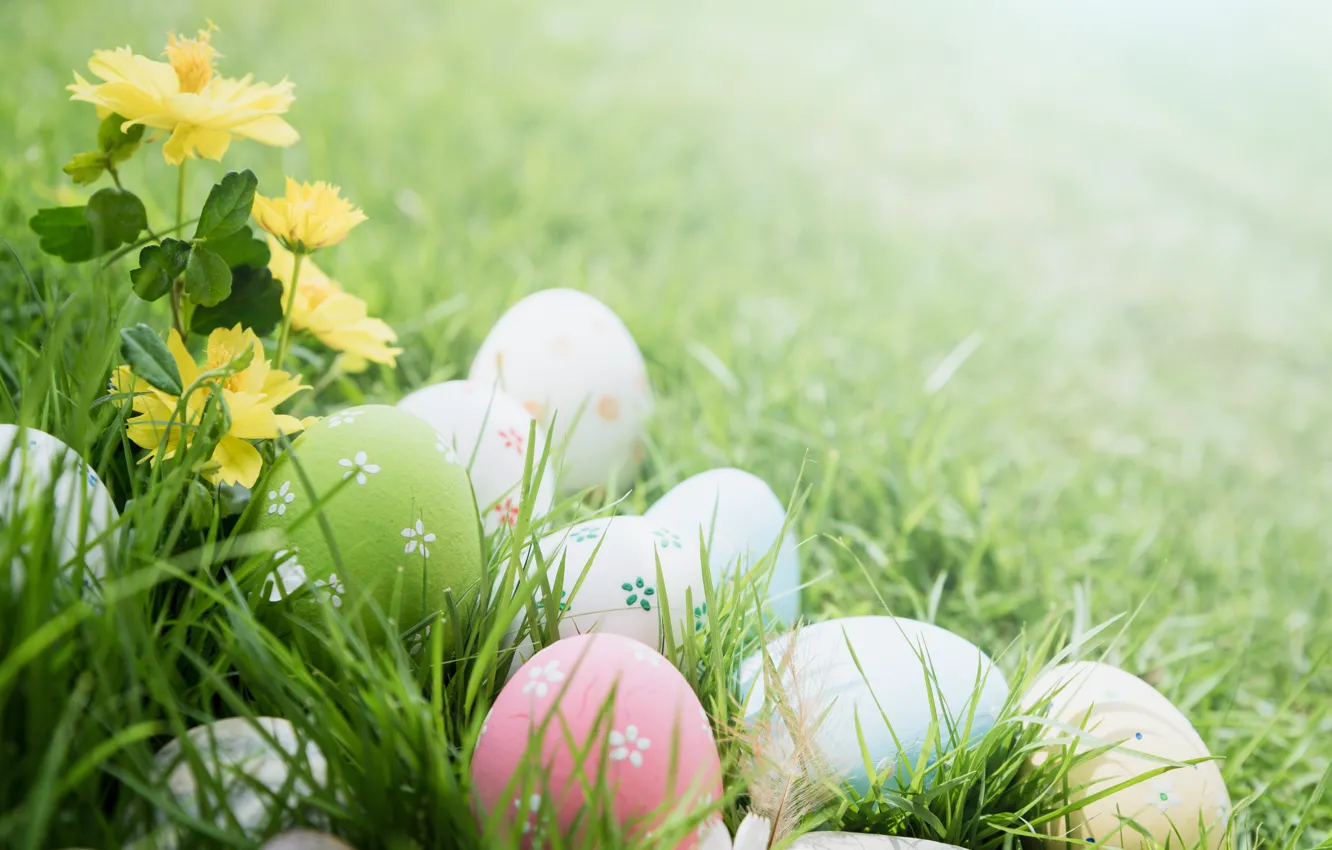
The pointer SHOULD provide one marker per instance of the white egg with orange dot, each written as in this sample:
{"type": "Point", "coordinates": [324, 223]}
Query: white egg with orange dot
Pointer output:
{"type": "Point", "coordinates": [488, 432]}
{"type": "Point", "coordinates": [1185, 806]}
{"type": "Point", "coordinates": [568, 359]}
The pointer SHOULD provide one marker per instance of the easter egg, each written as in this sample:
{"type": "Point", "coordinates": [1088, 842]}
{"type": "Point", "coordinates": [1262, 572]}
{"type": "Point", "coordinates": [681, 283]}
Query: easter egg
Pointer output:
{"type": "Point", "coordinates": [1187, 806]}
{"type": "Point", "coordinates": [399, 525]}
{"type": "Point", "coordinates": [240, 757]}
{"type": "Point", "coordinates": [38, 467]}
{"type": "Point", "coordinates": [615, 559]}
{"type": "Point", "coordinates": [563, 352]}
{"type": "Point", "coordinates": [896, 655]}
{"type": "Point", "coordinates": [856, 841]}
{"type": "Point", "coordinates": [305, 839]}
{"type": "Point", "coordinates": [755, 833]}
{"type": "Point", "coordinates": [740, 519]}
{"type": "Point", "coordinates": [488, 431]}
{"type": "Point", "coordinates": [655, 740]}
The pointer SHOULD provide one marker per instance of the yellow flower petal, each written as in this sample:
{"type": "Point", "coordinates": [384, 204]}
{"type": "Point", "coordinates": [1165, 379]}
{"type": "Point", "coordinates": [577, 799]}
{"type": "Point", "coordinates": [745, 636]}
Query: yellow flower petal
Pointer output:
{"type": "Point", "coordinates": [352, 364]}
{"type": "Point", "coordinates": [202, 111]}
{"type": "Point", "coordinates": [184, 362]}
{"type": "Point", "coordinates": [290, 424]}
{"type": "Point", "coordinates": [269, 130]}
{"type": "Point", "coordinates": [237, 461]}
{"type": "Point", "coordinates": [251, 419]}
{"type": "Point", "coordinates": [250, 396]}
{"type": "Point", "coordinates": [337, 318]}
{"type": "Point", "coordinates": [308, 217]}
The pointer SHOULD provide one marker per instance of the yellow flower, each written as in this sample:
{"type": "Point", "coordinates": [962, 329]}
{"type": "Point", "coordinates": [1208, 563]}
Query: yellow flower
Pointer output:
{"type": "Point", "coordinates": [250, 396]}
{"type": "Point", "coordinates": [337, 318]}
{"type": "Point", "coordinates": [310, 216]}
{"type": "Point", "coordinates": [186, 96]}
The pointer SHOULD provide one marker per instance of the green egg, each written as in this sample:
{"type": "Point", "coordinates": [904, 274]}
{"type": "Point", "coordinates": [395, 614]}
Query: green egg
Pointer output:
{"type": "Point", "coordinates": [399, 522]}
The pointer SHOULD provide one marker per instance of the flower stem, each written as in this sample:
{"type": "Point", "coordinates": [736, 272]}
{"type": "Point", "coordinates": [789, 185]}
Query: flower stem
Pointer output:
{"type": "Point", "coordinates": [177, 286]}
{"type": "Point", "coordinates": [180, 194]}
{"type": "Point", "coordinates": [285, 335]}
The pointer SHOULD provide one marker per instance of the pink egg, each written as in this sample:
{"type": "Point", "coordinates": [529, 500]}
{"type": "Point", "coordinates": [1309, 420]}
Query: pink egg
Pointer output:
{"type": "Point", "coordinates": [656, 741]}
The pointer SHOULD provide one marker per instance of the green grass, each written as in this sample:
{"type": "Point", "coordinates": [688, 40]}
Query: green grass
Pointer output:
{"type": "Point", "coordinates": [1037, 299]}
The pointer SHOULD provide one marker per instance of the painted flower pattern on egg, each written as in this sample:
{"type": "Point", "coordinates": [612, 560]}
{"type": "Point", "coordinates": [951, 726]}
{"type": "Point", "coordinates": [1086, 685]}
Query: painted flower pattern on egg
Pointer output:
{"type": "Point", "coordinates": [739, 518]}
{"type": "Point", "coordinates": [573, 365]}
{"type": "Point", "coordinates": [613, 562]}
{"type": "Point", "coordinates": [658, 757]}
{"type": "Point", "coordinates": [487, 431]}
{"type": "Point", "coordinates": [399, 522]}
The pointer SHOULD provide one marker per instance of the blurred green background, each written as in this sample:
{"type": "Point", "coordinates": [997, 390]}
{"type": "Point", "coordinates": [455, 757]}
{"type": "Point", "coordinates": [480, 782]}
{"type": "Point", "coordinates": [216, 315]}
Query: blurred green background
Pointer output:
{"type": "Point", "coordinates": [1037, 294]}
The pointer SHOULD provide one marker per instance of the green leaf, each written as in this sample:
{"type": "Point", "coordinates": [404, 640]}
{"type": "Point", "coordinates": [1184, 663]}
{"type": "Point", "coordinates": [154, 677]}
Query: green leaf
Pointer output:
{"type": "Point", "coordinates": [116, 217]}
{"type": "Point", "coordinates": [117, 145]}
{"type": "Point", "coordinates": [241, 248]}
{"type": "Point", "coordinates": [255, 302]}
{"type": "Point", "coordinates": [228, 206]}
{"type": "Point", "coordinates": [207, 278]}
{"type": "Point", "coordinates": [149, 358]}
{"type": "Point", "coordinates": [84, 168]}
{"type": "Point", "coordinates": [64, 233]}
{"type": "Point", "coordinates": [159, 265]}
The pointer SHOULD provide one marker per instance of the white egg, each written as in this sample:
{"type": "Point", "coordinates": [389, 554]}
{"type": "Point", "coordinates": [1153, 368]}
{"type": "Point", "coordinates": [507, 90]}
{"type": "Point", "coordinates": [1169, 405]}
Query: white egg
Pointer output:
{"type": "Point", "coordinates": [305, 839]}
{"type": "Point", "coordinates": [754, 833]}
{"type": "Point", "coordinates": [37, 467]}
{"type": "Point", "coordinates": [240, 759]}
{"type": "Point", "coordinates": [856, 841]}
{"type": "Point", "coordinates": [896, 655]}
{"type": "Point", "coordinates": [563, 352]}
{"type": "Point", "coordinates": [1187, 806]}
{"type": "Point", "coordinates": [740, 519]}
{"type": "Point", "coordinates": [488, 431]}
{"type": "Point", "coordinates": [610, 581]}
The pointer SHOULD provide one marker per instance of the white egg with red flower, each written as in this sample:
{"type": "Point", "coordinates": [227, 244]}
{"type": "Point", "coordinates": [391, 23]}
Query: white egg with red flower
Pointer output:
{"type": "Point", "coordinates": [585, 705]}
{"type": "Point", "coordinates": [739, 519]}
{"type": "Point", "coordinates": [488, 432]}
{"type": "Point", "coordinates": [569, 360]}
{"type": "Point", "coordinates": [609, 582]}
{"type": "Point", "coordinates": [1185, 806]}
{"type": "Point", "coordinates": [47, 488]}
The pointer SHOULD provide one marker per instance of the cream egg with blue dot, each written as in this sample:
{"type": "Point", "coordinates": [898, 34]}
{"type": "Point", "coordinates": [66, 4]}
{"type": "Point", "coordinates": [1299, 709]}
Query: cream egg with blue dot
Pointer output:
{"type": "Point", "coordinates": [1187, 805]}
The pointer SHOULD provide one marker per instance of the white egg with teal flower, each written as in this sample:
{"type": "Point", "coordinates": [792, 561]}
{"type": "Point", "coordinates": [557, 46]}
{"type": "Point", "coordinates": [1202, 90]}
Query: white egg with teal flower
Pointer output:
{"type": "Point", "coordinates": [908, 667]}
{"type": "Point", "coordinates": [740, 519]}
{"type": "Point", "coordinates": [610, 583]}
{"type": "Point", "coordinates": [569, 360]}
{"type": "Point", "coordinates": [489, 433]}
{"type": "Point", "coordinates": [46, 481]}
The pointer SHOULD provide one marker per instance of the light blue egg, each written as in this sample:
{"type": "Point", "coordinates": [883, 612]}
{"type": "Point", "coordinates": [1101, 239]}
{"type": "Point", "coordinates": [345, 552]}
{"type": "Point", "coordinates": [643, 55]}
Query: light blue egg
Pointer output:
{"type": "Point", "coordinates": [740, 519]}
{"type": "Point", "coordinates": [904, 663]}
